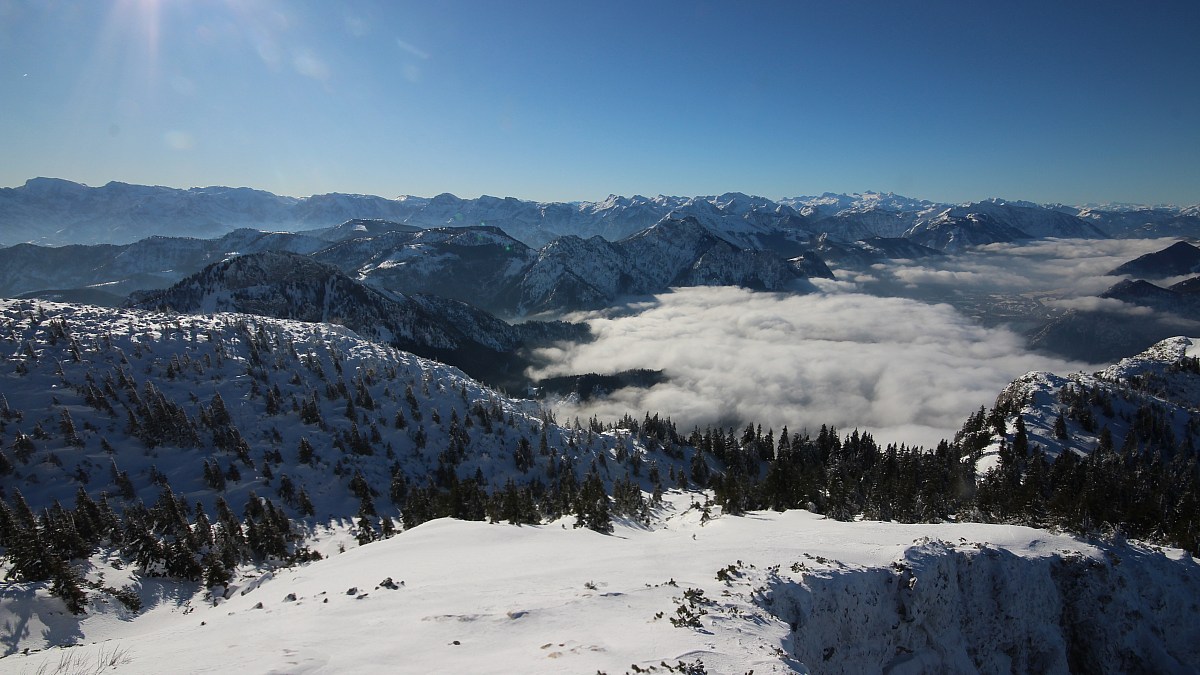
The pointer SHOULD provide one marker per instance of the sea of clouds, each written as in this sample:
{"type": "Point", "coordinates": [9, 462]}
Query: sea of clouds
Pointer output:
{"type": "Point", "coordinates": [853, 355]}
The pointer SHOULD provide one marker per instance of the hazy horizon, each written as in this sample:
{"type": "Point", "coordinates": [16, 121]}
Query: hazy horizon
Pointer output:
{"type": "Point", "coordinates": [562, 102]}
{"type": "Point", "coordinates": [776, 198]}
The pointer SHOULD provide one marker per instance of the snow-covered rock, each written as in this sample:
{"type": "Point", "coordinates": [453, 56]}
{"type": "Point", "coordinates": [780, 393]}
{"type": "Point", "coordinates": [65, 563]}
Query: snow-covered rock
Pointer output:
{"type": "Point", "coordinates": [1153, 395]}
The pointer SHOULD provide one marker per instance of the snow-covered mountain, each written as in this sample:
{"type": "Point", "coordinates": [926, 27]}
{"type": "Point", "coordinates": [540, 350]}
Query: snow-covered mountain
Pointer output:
{"type": "Point", "coordinates": [486, 267]}
{"type": "Point", "coordinates": [57, 212]}
{"type": "Point", "coordinates": [1177, 259]}
{"type": "Point", "coordinates": [118, 270]}
{"type": "Point", "coordinates": [291, 286]}
{"type": "Point", "coordinates": [829, 203]}
{"type": "Point", "coordinates": [1034, 220]}
{"type": "Point", "coordinates": [871, 251]}
{"type": "Point", "coordinates": [955, 233]}
{"type": "Point", "coordinates": [480, 265]}
{"type": "Point", "coordinates": [1142, 221]}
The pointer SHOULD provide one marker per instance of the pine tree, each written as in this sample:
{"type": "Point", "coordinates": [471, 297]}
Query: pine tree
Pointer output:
{"type": "Point", "coordinates": [216, 573]}
{"type": "Point", "coordinates": [65, 584]}
{"type": "Point", "coordinates": [398, 492]}
{"type": "Point", "coordinates": [591, 505]}
{"type": "Point", "coordinates": [305, 454]}
{"type": "Point", "coordinates": [1060, 427]}
{"type": "Point", "coordinates": [202, 529]}
{"type": "Point", "coordinates": [87, 518]}
{"type": "Point", "coordinates": [27, 551]}
{"type": "Point", "coordinates": [8, 525]}
{"type": "Point", "coordinates": [366, 533]}
{"type": "Point", "coordinates": [304, 504]}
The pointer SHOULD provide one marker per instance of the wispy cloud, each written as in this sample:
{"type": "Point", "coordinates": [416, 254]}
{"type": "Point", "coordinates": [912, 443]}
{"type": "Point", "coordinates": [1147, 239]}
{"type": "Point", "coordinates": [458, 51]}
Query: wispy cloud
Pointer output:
{"type": "Point", "coordinates": [412, 49]}
{"type": "Point", "coordinates": [309, 64]}
{"type": "Point", "coordinates": [1109, 305]}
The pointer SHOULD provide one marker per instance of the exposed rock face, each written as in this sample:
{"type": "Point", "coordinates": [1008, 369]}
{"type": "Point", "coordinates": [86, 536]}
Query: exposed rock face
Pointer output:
{"type": "Point", "coordinates": [969, 608]}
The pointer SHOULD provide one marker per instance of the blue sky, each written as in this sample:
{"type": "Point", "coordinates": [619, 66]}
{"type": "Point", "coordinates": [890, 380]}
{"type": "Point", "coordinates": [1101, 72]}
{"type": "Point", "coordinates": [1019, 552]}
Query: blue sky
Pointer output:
{"type": "Point", "coordinates": [1048, 101]}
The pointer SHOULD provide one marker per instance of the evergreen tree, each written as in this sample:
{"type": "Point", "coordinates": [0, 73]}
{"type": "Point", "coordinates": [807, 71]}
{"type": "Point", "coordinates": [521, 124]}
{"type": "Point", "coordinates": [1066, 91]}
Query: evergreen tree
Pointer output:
{"type": "Point", "coordinates": [366, 533]}
{"type": "Point", "coordinates": [216, 573]}
{"type": "Point", "coordinates": [203, 528]}
{"type": "Point", "coordinates": [304, 504]}
{"type": "Point", "coordinates": [65, 584]}
{"type": "Point", "coordinates": [591, 505]}
{"type": "Point", "coordinates": [1060, 427]}
{"type": "Point", "coordinates": [28, 553]}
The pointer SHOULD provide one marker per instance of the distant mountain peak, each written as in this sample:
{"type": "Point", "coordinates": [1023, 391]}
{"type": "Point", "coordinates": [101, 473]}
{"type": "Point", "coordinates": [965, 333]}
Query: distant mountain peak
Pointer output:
{"type": "Point", "coordinates": [1177, 259]}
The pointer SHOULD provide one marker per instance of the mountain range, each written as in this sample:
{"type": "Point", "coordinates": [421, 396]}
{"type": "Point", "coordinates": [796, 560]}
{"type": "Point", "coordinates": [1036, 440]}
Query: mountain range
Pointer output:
{"type": "Point", "coordinates": [58, 212]}
{"type": "Point", "coordinates": [730, 239]}
{"type": "Point", "coordinates": [481, 265]}
{"type": "Point", "coordinates": [296, 287]}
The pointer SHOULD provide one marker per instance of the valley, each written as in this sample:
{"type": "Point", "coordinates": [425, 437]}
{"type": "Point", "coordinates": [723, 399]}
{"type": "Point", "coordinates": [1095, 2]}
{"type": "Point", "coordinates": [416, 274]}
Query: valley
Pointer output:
{"type": "Point", "coordinates": [858, 437]}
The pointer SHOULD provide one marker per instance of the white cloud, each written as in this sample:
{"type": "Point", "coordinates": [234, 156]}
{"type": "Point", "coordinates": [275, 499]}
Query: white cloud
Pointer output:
{"type": "Point", "coordinates": [907, 371]}
{"type": "Point", "coordinates": [412, 49]}
{"type": "Point", "coordinates": [1065, 267]}
{"type": "Point", "coordinates": [309, 65]}
{"type": "Point", "coordinates": [1110, 305]}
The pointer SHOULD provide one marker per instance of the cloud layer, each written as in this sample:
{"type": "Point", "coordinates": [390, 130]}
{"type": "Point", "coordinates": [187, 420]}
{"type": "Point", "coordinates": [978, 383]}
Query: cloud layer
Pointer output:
{"type": "Point", "coordinates": [1064, 268]}
{"type": "Point", "coordinates": [908, 368]}
{"type": "Point", "coordinates": [908, 371]}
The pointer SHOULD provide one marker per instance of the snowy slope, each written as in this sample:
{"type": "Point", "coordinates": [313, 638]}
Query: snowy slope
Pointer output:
{"type": "Point", "coordinates": [953, 231]}
{"type": "Point", "coordinates": [111, 372]}
{"type": "Point", "coordinates": [768, 593]}
{"type": "Point", "coordinates": [1154, 395]}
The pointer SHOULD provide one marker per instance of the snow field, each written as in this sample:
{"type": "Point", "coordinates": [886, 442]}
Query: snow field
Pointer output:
{"type": "Point", "coordinates": [479, 598]}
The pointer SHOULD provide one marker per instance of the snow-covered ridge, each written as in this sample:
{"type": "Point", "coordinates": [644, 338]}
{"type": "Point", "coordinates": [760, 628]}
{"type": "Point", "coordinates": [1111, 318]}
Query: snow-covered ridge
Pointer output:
{"type": "Point", "coordinates": [280, 380]}
{"type": "Point", "coordinates": [57, 212]}
{"type": "Point", "coordinates": [480, 265]}
{"type": "Point", "coordinates": [1155, 393]}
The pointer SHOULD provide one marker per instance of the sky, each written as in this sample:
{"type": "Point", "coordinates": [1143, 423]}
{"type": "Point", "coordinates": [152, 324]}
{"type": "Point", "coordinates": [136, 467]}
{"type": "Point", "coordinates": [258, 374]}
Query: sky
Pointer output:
{"type": "Point", "coordinates": [1070, 102]}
